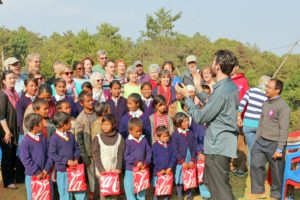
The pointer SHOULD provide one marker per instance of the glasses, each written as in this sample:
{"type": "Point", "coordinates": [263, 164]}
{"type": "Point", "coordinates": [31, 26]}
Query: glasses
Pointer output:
{"type": "Point", "coordinates": [68, 73]}
{"type": "Point", "coordinates": [39, 78]}
{"type": "Point", "coordinates": [103, 58]}
{"type": "Point", "coordinates": [80, 68]}
{"type": "Point", "coordinates": [100, 80]}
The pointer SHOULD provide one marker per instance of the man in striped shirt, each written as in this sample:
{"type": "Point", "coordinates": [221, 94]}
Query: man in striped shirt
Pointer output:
{"type": "Point", "coordinates": [252, 100]}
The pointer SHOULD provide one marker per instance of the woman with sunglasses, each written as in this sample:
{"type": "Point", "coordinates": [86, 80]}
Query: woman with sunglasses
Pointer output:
{"type": "Point", "coordinates": [97, 82]}
{"type": "Point", "coordinates": [36, 74]}
{"type": "Point", "coordinates": [78, 76]}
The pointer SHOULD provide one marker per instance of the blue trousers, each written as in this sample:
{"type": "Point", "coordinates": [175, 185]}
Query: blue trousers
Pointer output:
{"type": "Point", "coordinates": [129, 190]}
{"type": "Point", "coordinates": [62, 184]}
{"type": "Point", "coordinates": [250, 134]}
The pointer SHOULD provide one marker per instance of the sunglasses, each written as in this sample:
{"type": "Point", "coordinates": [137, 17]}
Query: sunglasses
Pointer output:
{"type": "Point", "coordinates": [39, 78]}
{"type": "Point", "coordinates": [103, 58]}
{"type": "Point", "coordinates": [100, 80]}
{"type": "Point", "coordinates": [80, 68]}
{"type": "Point", "coordinates": [68, 73]}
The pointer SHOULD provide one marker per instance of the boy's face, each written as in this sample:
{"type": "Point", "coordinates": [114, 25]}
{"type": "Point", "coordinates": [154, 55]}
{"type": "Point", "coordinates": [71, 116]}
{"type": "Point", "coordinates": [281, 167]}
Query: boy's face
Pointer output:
{"type": "Point", "coordinates": [146, 91]}
{"type": "Point", "coordinates": [136, 132]}
{"type": "Point", "coordinates": [39, 128]}
{"type": "Point", "coordinates": [164, 138]}
{"type": "Point", "coordinates": [115, 90]}
{"type": "Point", "coordinates": [43, 111]}
{"type": "Point", "coordinates": [106, 127]}
{"type": "Point", "coordinates": [88, 102]}
{"type": "Point", "coordinates": [61, 89]}
{"type": "Point", "coordinates": [65, 107]}
{"type": "Point", "coordinates": [67, 126]}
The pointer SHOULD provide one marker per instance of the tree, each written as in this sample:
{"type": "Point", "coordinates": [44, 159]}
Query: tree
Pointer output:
{"type": "Point", "coordinates": [161, 24]}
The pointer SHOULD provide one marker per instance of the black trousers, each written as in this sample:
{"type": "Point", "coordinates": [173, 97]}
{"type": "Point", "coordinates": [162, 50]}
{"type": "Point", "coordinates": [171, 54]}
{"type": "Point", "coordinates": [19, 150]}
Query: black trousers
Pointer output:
{"type": "Point", "coordinates": [217, 168]}
{"type": "Point", "coordinates": [8, 163]}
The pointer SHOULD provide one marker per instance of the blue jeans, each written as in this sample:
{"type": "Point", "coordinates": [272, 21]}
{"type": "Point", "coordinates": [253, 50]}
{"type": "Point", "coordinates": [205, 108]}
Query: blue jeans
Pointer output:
{"type": "Point", "coordinates": [250, 134]}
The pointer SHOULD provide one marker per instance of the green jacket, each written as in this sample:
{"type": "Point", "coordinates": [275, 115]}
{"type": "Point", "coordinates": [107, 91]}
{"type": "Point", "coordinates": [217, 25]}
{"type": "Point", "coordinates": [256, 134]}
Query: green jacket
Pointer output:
{"type": "Point", "coordinates": [220, 116]}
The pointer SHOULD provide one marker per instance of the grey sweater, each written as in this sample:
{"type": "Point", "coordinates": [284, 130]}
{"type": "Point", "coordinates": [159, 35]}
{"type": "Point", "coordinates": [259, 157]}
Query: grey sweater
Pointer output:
{"type": "Point", "coordinates": [274, 121]}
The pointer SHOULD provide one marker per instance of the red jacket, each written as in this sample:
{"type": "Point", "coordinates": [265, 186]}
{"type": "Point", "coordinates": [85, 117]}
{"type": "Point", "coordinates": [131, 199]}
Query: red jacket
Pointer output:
{"type": "Point", "coordinates": [241, 82]}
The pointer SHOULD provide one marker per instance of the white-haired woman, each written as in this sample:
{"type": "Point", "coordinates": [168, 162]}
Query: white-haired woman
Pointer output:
{"type": "Point", "coordinates": [96, 80]}
{"type": "Point", "coordinates": [154, 70]}
{"type": "Point", "coordinates": [132, 86]}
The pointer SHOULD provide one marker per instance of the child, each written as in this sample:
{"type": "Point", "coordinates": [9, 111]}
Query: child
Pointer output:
{"type": "Point", "coordinates": [60, 94]}
{"type": "Point", "coordinates": [83, 132]}
{"type": "Point", "coordinates": [160, 117]}
{"type": "Point", "coordinates": [135, 107]}
{"type": "Point", "coordinates": [65, 152]}
{"type": "Point", "coordinates": [146, 90]}
{"type": "Point", "coordinates": [86, 87]}
{"type": "Point", "coordinates": [163, 157]}
{"type": "Point", "coordinates": [137, 154]}
{"type": "Point", "coordinates": [108, 148]}
{"type": "Point", "coordinates": [100, 109]}
{"type": "Point", "coordinates": [184, 147]}
{"type": "Point", "coordinates": [64, 106]}
{"type": "Point", "coordinates": [192, 93]}
{"type": "Point", "coordinates": [116, 102]}
{"type": "Point", "coordinates": [33, 151]}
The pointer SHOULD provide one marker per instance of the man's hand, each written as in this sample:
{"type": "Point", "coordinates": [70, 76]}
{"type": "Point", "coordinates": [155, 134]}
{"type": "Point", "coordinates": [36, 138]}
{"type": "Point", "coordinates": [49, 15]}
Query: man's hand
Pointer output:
{"type": "Point", "coordinates": [277, 155]}
{"type": "Point", "coordinates": [182, 90]}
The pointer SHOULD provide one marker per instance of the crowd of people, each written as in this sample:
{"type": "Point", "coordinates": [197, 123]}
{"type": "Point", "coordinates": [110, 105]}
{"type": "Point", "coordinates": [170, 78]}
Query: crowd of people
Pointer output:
{"type": "Point", "coordinates": [114, 117]}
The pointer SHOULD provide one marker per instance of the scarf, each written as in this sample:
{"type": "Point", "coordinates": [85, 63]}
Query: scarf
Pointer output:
{"type": "Point", "coordinates": [12, 95]}
{"type": "Point", "coordinates": [166, 93]}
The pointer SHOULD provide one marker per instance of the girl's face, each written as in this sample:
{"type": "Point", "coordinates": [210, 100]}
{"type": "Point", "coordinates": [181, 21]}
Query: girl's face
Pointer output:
{"type": "Point", "coordinates": [40, 79]}
{"type": "Point", "coordinates": [98, 81]}
{"type": "Point", "coordinates": [136, 132]}
{"type": "Point", "coordinates": [110, 68]}
{"type": "Point", "coordinates": [43, 111]}
{"type": "Point", "coordinates": [165, 81]}
{"type": "Point", "coordinates": [154, 75]}
{"type": "Point", "coordinates": [46, 96]}
{"type": "Point", "coordinates": [185, 124]}
{"type": "Point", "coordinates": [79, 70]}
{"type": "Point", "coordinates": [146, 91]}
{"type": "Point", "coordinates": [161, 108]}
{"type": "Point", "coordinates": [87, 64]}
{"type": "Point", "coordinates": [121, 68]}
{"type": "Point", "coordinates": [31, 88]}
{"type": "Point", "coordinates": [68, 76]}
{"type": "Point", "coordinates": [133, 77]}
{"type": "Point", "coordinates": [164, 138]}
{"type": "Point", "coordinates": [132, 104]}
{"type": "Point", "coordinates": [10, 81]}
{"type": "Point", "coordinates": [61, 89]}
{"type": "Point", "coordinates": [106, 127]}
{"type": "Point", "coordinates": [115, 90]}
{"type": "Point", "coordinates": [207, 75]}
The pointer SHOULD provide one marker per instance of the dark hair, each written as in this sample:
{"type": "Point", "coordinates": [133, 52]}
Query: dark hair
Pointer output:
{"type": "Point", "coordinates": [278, 84]}
{"type": "Point", "coordinates": [163, 73]}
{"type": "Point", "coordinates": [34, 72]}
{"type": "Point", "coordinates": [59, 80]}
{"type": "Point", "coordinates": [31, 120]}
{"type": "Point", "coordinates": [44, 88]}
{"type": "Point", "coordinates": [60, 119]}
{"type": "Point", "coordinates": [159, 100]}
{"type": "Point", "coordinates": [168, 63]}
{"type": "Point", "coordinates": [114, 82]}
{"type": "Point", "coordinates": [101, 108]}
{"type": "Point", "coordinates": [134, 122]}
{"type": "Point", "coordinates": [137, 99]}
{"type": "Point", "coordinates": [32, 80]}
{"type": "Point", "coordinates": [111, 119]}
{"type": "Point", "coordinates": [87, 58]}
{"type": "Point", "coordinates": [60, 103]}
{"type": "Point", "coordinates": [75, 63]}
{"type": "Point", "coordinates": [227, 61]}
{"type": "Point", "coordinates": [182, 104]}
{"type": "Point", "coordinates": [86, 84]}
{"type": "Point", "coordinates": [84, 94]}
{"type": "Point", "coordinates": [206, 87]}
{"type": "Point", "coordinates": [161, 130]}
{"type": "Point", "coordinates": [146, 84]}
{"type": "Point", "coordinates": [3, 77]}
{"type": "Point", "coordinates": [36, 104]}
{"type": "Point", "coordinates": [178, 119]}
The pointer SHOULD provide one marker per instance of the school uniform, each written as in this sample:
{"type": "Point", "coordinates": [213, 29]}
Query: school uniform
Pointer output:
{"type": "Point", "coordinates": [148, 106]}
{"type": "Point", "coordinates": [33, 154]}
{"type": "Point", "coordinates": [70, 99]}
{"type": "Point", "coordinates": [123, 126]}
{"type": "Point", "coordinates": [135, 151]}
{"type": "Point", "coordinates": [63, 147]}
{"type": "Point", "coordinates": [118, 107]}
{"type": "Point", "coordinates": [21, 106]}
{"type": "Point", "coordinates": [157, 121]}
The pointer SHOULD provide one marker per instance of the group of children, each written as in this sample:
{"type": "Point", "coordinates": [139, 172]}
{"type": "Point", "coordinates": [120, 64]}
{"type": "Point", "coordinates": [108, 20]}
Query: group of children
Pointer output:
{"type": "Point", "coordinates": [116, 135]}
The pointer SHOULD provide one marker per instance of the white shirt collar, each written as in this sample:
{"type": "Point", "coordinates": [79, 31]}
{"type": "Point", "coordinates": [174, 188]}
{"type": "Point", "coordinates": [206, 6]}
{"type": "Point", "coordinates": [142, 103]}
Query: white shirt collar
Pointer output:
{"type": "Point", "coordinates": [130, 137]}
{"type": "Point", "coordinates": [61, 134]}
{"type": "Point", "coordinates": [183, 131]}
{"type": "Point", "coordinates": [35, 137]}
{"type": "Point", "coordinates": [137, 113]}
{"type": "Point", "coordinates": [31, 97]}
{"type": "Point", "coordinates": [58, 98]}
{"type": "Point", "coordinates": [147, 101]}
{"type": "Point", "coordinates": [159, 142]}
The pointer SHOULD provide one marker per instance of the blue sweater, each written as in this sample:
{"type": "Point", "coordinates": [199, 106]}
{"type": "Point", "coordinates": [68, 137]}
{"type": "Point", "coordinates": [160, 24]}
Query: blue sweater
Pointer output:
{"type": "Point", "coordinates": [136, 152]}
{"type": "Point", "coordinates": [118, 111]}
{"type": "Point", "coordinates": [181, 143]}
{"type": "Point", "coordinates": [199, 131]}
{"type": "Point", "coordinates": [60, 151]}
{"type": "Point", "coordinates": [163, 157]}
{"type": "Point", "coordinates": [21, 106]}
{"type": "Point", "coordinates": [149, 110]}
{"type": "Point", "coordinates": [33, 155]}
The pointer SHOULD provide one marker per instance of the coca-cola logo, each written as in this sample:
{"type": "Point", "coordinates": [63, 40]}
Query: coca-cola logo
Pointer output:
{"type": "Point", "coordinates": [189, 178]}
{"type": "Point", "coordinates": [200, 169]}
{"type": "Point", "coordinates": [109, 184]}
{"type": "Point", "coordinates": [164, 185]}
{"type": "Point", "coordinates": [141, 180]}
{"type": "Point", "coordinates": [41, 190]}
{"type": "Point", "coordinates": [76, 178]}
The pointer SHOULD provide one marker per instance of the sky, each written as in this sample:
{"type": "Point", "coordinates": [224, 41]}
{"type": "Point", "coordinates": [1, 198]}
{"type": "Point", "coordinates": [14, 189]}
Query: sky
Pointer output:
{"type": "Point", "coordinates": [271, 25]}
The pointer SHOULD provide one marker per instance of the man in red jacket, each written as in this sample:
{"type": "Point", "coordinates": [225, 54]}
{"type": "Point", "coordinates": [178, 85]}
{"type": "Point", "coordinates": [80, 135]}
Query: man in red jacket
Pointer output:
{"type": "Point", "coordinates": [242, 83]}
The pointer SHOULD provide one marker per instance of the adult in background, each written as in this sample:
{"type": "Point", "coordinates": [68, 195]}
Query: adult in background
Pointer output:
{"type": "Point", "coordinates": [88, 66]}
{"type": "Point", "coordinates": [33, 62]}
{"type": "Point", "coordinates": [192, 69]}
{"type": "Point", "coordinates": [56, 69]}
{"type": "Point", "coordinates": [169, 65]}
{"type": "Point", "coordinates": [121, 73]}
{"type": "Point", "coordinates": [14, 65]}
{"type": "Point", "coordinates": [270, 142]}
{"type": "Point", "coordinates": [142, 77]}
{"type": "Point", "coordinates": [8, 128]}
{"type": "Point", "coordinates": [96, 80]}
{"type": "Point", "coordinates": [252, 104]}
{"type": "Point", "coordinates": [109, 76]}
{"type": "Point", "coordinates": [220, 115]}
{"type": "Point", "coordinates": [132, 86]}
{"type": "Point", "coordinates": [207, 76]}
{"type": "Point", "coordinates": [78, 75]}
{"type": "Point", "coordinates": [154, 70]}
{"type": "Point", "coordinates": [36, 74]}
{"type": "Point", "coordinates": [102, 60]}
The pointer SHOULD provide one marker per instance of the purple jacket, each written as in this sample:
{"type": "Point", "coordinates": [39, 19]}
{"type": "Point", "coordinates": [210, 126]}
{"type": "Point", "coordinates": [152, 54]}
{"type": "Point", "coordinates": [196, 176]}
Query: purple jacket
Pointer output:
{"type": "Point", "coordinates": [60, 151]}
{"type": "Point", "coordinates": [199, 131]}
{"type": "Point", "coordinates": [21, 106]}
{"type": "Point", "coordinates": [163, 157]}
{"type": "Point", "coordinates": [70, 99]}
{"type": "Point", "coordinates": [136, 152]}
{"type": "Point", "coordinates": [33, 155]}
{"type": "Point", "coordinates": [144, 78]}
{"type": "Point", "coordinates": [149, 110]}
{"type": "Point", "coordinates": [118, 111]}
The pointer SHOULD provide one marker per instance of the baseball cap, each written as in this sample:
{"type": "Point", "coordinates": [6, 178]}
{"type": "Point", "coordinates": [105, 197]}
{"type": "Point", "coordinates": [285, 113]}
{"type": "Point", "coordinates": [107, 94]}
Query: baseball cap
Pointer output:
{"type": "Point", "coordinates": [191, 58]}
{"type": "Point", "coordinates": [136, 63]}
{"type": "Point", "coordinates": [10, 61]}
